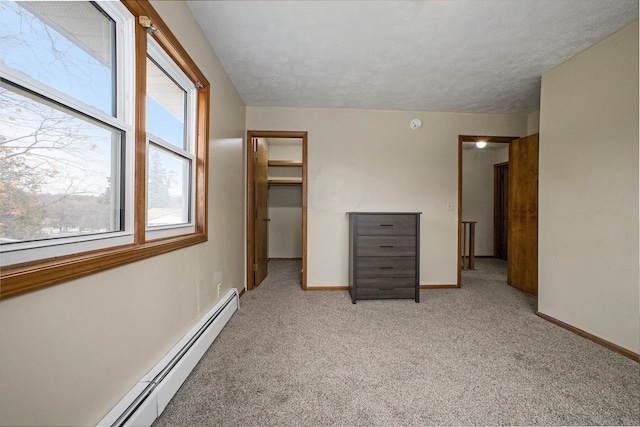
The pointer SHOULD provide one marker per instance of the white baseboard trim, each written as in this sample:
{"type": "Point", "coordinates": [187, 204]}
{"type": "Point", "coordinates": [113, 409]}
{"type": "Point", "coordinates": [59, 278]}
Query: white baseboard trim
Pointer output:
{"type": "Point", "coordinates": [148, 399]}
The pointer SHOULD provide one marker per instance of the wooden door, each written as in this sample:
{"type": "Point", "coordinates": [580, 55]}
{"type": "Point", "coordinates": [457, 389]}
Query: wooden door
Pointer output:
{"type": "Point", "coordinates": [522, 263]}
{"type": "Point", "coordinates": [500, 210]}
{"type": "Point", "coordinates": [261, 203]}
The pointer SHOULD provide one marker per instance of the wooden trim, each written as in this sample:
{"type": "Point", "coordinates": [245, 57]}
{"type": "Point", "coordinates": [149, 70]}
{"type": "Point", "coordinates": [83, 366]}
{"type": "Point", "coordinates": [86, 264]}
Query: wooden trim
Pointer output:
{"type": "Point", "coordinates": [250, 238]}
{"type": "Point", "coordinates": [285, 163]}
{"type": "Point", "coordinates": [26, 277]}
{"type": "Point", "coordinates": [328, 288]}
{"type": "Point", "coordinates": [278, 134]}
{"type": "Point", "coordinates": [496, 206]}
{"type": "Point", "coordinates": [304, 210]}
{"type": "Point", "coordinates": [140, 156]}
{"type": "Point", "coordinates": [459, 253]}
{"type": "Point", "coordinates": [167, 39]}
{"type": "Point", "coordinates": [439, 286]}
{"type": "Point", "coordinates": [242, 291]}
{"type": "Point", "coordinates": [496, 209]}
{"type": "Point", "coordinates": [202, 160]}
{"type": "Point", "coordinates": [478, 138]}
{"type": "Point", "coordinates": [250, 223]}
{"type": "Point", "coordinates": [611, 346]}
{"type": "Point", "coordinates": [461, 139]}
{"type": "Point", "coordinates": [23, 278]}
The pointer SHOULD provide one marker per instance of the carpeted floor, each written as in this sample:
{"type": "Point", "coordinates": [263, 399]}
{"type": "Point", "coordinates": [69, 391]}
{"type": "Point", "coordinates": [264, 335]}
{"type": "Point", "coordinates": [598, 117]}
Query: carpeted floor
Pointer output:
{"type": "Point", "coordinates": [477, 355]}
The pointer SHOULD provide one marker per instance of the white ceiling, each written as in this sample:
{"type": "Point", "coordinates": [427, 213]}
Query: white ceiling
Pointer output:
{"type": "Point", "coordinates": [431, 55]}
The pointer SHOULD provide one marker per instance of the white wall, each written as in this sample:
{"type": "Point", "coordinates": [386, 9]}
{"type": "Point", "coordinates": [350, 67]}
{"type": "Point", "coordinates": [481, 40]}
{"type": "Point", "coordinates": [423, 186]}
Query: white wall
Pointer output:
{"type": "Point", "coordinates": [588, 200]}
{"type": "Point", "coordinates": [372, 161]}
{"type": "Point", "coordinates": [71, 351]}
{"type": "Point", "coordinates": [478, 193]}
{"type": "Point", "coordinates": [285, 151]}
{"type": "Point", "coordinates": [533, 123]}
{"type": "Point", "coordinates": [285, 227]}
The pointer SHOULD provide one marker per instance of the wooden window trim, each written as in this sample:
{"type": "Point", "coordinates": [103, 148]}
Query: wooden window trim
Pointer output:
{"type": "Point", "coordinates": [26, 277]}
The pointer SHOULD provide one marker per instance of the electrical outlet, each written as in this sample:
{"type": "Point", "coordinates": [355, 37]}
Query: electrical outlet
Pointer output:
{"type": "Point", "coordinates": [219, 288]}
{"type": "Point", "coordinates": [449, 206]}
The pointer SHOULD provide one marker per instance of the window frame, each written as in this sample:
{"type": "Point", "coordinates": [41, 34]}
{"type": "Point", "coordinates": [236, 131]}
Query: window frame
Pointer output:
{"type": "Point", "coordinates": [122, 121]}
{"type": "Point", "coordinates": [33, 250]}
{"type": "Point", "coordinates": [28, 276]}
{"type": "Point", "coordinates": [156, 54]}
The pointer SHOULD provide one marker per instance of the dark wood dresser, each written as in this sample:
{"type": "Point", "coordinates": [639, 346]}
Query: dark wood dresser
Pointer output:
{"type": "Point", "coordinates": [384, 255]}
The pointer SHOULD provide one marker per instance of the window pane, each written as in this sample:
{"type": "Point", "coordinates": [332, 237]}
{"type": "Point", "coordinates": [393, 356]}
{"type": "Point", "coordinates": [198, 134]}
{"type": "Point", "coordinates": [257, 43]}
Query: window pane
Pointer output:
{"type": "Point", "coordinates": [168, 178]}
{"type": "Point", "coordinates": [68, 46]}
{"type": "Point", "coordinates": [59, 173]}
{"type": "Point", "coordinates": [166, 102]}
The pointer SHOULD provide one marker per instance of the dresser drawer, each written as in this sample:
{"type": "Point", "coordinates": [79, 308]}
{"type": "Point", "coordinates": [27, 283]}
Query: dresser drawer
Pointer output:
{"type": "Point", "coordinates": [386, 246]}
{"type": "Point", "coordinates": [386, 225]}
{"type": "Point", "coordinates": [375, 293]}
{"type": "Point", "coordinates": [385, 267]}
{"type": "Point", "coordinates": [389, 282]}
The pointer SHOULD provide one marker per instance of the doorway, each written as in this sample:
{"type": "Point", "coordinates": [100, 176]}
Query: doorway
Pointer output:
{"type": "Point", "coordinates": [522, 208]}
{"type": "Point", "coordinates": [261, 176]}
{"type": "Point", "coordinates": [476, 186]}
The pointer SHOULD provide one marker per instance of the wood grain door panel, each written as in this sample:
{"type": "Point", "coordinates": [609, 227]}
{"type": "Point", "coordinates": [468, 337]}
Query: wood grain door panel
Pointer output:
{"type": "Point", "coordinates": [261, 175]}
{"type": "Point", "coordinates": [522, 258]}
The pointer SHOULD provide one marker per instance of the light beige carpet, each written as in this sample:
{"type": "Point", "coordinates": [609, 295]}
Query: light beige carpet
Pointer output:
{"type": "Point", "coordinates": [477, 355]}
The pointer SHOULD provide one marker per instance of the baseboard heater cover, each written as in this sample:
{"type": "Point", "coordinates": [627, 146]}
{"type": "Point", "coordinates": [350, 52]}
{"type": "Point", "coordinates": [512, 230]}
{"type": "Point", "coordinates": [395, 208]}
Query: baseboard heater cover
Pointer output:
{"type": "Point", "coordinates": [148, 399]}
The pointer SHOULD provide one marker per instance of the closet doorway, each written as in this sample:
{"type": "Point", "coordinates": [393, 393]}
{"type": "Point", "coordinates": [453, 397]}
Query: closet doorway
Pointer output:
{"type": "Point", "coordinates": [276, 201]}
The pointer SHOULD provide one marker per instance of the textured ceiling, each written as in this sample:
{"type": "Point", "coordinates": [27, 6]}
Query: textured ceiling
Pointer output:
{"type": "Point", "coordinates": [451, 56]}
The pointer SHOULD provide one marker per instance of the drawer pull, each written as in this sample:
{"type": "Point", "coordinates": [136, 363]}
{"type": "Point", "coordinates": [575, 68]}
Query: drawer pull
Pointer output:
{"type": "Point", "coordinates": [386, 268]}
{"type": "Point", "coordinates": [386, 225]}
{"type": "Point", "coordinates": [386, 246]}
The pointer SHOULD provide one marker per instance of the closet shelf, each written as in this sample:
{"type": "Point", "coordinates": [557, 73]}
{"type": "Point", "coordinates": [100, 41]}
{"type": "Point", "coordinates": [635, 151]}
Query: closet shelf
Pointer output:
{"type": "Point", "coordinates": [296, 163]}
{"type": "Point", "coordinates": [285, 182]}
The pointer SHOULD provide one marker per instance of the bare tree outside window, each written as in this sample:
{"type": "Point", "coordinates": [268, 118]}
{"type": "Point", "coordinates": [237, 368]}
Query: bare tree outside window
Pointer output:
{"type": "Point", "coordinates": [60, 169]}
{"type": "Point", "coordinates": [167, 188]}
{"type": "Point", "coordinates": [55, 171]}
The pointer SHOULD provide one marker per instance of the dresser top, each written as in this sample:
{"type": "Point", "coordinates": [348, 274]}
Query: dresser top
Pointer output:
{"type": "Point", "coordinates": [384, 213]}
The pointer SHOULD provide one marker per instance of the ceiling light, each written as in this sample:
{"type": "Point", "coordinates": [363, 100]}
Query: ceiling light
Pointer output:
{"type": "Point", "coordinates": [481, 144]}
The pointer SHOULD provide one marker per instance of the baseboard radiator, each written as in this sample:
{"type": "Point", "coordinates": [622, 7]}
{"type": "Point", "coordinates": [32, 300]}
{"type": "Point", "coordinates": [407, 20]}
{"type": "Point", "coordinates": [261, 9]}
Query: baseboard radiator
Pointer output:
{"type": "Point", "coordinates": [146, 401]}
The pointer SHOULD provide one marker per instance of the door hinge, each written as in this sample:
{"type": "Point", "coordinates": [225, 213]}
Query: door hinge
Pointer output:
{"type": "Point", "coordinates": [255, 267]}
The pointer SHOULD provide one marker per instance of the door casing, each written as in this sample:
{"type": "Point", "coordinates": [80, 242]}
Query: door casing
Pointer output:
{"type": "Point", "coordinates": [500, 211]}
{"type": "Point", "coordinates": [250, 221]}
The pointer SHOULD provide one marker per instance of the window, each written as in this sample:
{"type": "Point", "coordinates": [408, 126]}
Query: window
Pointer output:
{"type": "Point", "coordinates": [170, 145]}
{"type": "Point", "coordinates": [66, 139]}
{"type": "Point", "coordinates": [98, 166]}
